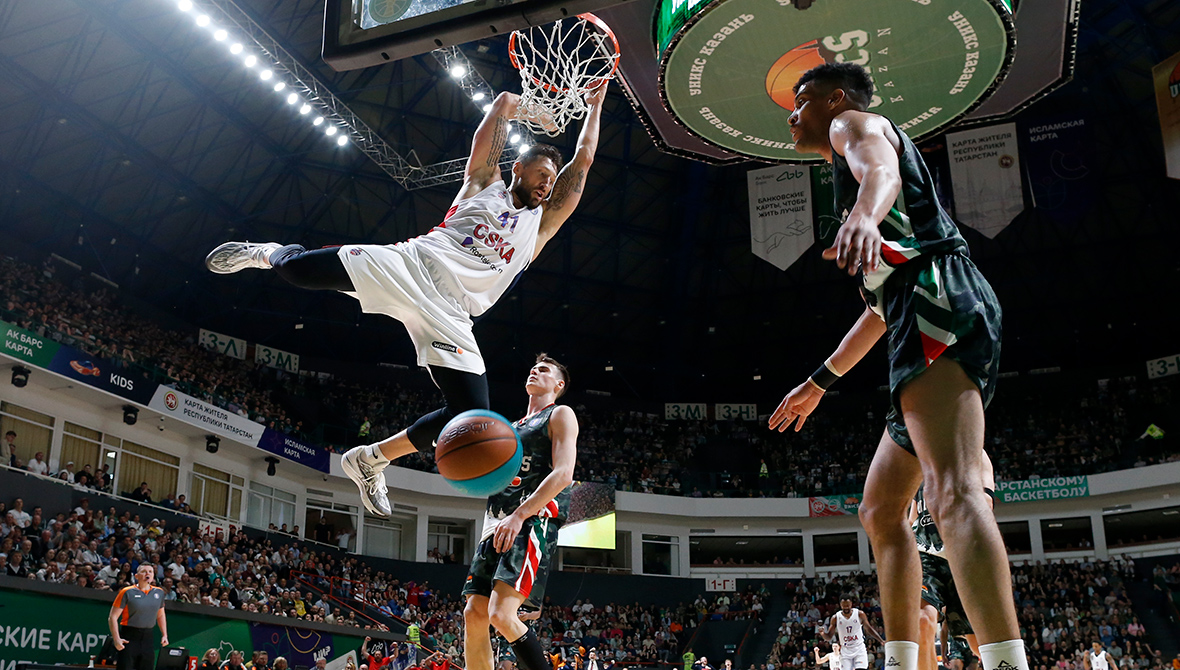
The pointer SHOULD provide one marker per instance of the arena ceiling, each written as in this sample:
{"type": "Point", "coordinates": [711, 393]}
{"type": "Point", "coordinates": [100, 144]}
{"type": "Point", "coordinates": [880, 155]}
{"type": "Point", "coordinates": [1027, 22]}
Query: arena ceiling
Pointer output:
{"type": "Point", "coordinates": [131, 144]}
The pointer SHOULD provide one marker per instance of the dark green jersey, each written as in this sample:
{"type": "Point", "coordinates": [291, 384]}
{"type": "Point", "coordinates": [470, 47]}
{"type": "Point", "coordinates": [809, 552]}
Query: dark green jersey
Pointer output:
{"type": "Point", "coordinates": [925, 532]}
{"type": "Point", "coordinates": [535, 465]}
{"type": "Point", "coordinates": [916, 225]}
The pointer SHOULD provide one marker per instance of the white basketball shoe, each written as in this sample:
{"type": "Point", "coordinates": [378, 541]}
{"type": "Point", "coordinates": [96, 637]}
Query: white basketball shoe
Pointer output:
{"type": "Point", "coordinates": [365, 469]}
{"type": "Point", "coordinates": [233, 257]}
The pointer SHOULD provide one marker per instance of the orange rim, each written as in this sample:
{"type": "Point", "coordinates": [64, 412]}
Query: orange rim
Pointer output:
{"type": "Point", "coordinates": [589, 18]}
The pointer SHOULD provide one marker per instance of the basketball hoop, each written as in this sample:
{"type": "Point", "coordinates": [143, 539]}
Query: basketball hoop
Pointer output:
{"type": "Point", "coordinates": [559, 63]}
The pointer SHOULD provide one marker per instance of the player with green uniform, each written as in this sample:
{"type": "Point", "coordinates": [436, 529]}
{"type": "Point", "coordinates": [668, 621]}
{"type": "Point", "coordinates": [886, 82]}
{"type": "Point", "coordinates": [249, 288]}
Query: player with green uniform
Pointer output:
{"type": "Point", "coordinates": [942, 323]}
{"type": "Point", "coordinates": [519, 537]}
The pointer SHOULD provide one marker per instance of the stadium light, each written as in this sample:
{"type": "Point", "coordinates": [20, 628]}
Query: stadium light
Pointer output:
{"type": "Point", "coordinates": [292, 98]}
{"type": "Point", "coordinates": [342, 140]}
{"type": "Point", "coordinates": [265, 75]}
{"type": "Point", "coordinates": [236, 48]}
{"type": "Point", "coordinates": [478, 95]}
{"type": "Point", "coordinates": [458, 70]}
{"type": "Point", "coordinates": [487, 108]}
{"type": "Point", "coordinates": [203, 20]}
{"type": "Point", "coordinates": [330, 131]}
{"type": "Point", "coordinates": [250, 61]}
{"type": "Point", "coordinates": [306, 108]}
{"type": "Point", "coordinates": [318, 121]}
{"type": "Point", "coordinates": [220, 35]}
{"type": "Point", "coordinates": [185, 5]}
{"type": "Point", "coordinates": [514, 139]}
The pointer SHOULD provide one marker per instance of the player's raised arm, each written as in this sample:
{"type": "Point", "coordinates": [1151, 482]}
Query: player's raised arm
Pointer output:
{"type": "Point", "coordinates": [567, 192]}
{"type": "Point", "coordinates": [864, 141]}
{"type": "Point", "coordinates": [483, 166]}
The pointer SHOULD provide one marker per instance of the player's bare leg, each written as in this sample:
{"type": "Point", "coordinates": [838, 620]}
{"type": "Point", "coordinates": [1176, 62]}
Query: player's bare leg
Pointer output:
{"type": "Point", "coordinates": [928, 630]}
{"type": "Point", "coordinates": [943, 413]}
{"type": "Point", "coordinates": [893, 479]}
{"type": "Point", "coordinates": [503, 606]}
{"type": "Point", "coordinates": [477, 641]}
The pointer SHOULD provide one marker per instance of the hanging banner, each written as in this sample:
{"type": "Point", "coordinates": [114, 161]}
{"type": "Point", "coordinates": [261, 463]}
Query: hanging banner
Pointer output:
{"type": "Point", "coordinates": [276, 358]}
{"type": "Point", "coordinates": [833, 505]}
{"type": "Point", "coordinates": [223, 344]}
{"type": "Point", "coordinates": [823, 196]}
{"type": "Point", "coordinates": [1057, 155]}
{"type": "Point", "coordinates": [985, 172]}
{"type": "Point", "coordinates": [220, 422]}
{"type": "Point", "coordinates": [1048, 488]}
{"type": "Point", "coordinates": [1167, 99]}
{"type": "Point", "coordinates": [780, 214]}
{"type": "Point", "coordinates": [281, 444]}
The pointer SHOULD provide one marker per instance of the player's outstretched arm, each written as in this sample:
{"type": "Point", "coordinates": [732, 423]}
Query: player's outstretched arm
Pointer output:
{"type": "Point", "coordinates": [567, 192]}
{"type": "Point", "coordinates": [563, 432]}
{"type": "Point", "coordinates": [483, 166]}
{"type": "Point", "coordinates": [864, 141]}
{"type": "Point", "coordinates": [802, 401]}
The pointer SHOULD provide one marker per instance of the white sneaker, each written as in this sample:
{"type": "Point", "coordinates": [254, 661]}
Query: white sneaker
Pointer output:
{"type": "Point", "coordinates": [366, 471]}
{"type": "Point", "coordinates": [232, 257]}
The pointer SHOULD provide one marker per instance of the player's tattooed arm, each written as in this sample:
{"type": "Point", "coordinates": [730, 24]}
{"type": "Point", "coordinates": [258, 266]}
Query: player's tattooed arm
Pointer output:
{"type": "Point", "coordinates": [490, 138]}
{"type": "Point", "coordinates": [567, 192]}
{"type": "Point", "coordinates": [571, 181]}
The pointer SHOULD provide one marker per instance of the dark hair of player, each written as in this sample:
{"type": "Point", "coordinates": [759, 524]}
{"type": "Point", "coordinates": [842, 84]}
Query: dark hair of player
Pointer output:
{"type": "Point", "coordinates": [546, 358]}
{"type": "Point", "coordinates": [849, 77]}
{"type": "Point", "coordinates": [845, 596]}
{"type": "Point", "coordinates": [539, 150]}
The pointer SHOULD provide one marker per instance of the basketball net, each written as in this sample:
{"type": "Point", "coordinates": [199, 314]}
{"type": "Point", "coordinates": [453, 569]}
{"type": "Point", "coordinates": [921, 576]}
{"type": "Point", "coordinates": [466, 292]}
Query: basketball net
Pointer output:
{"type": "Point", "coordinates": [559, 64]}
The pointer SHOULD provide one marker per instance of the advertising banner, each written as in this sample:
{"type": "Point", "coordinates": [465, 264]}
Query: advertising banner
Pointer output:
{"type": "Point", "coordinates": [780, 214]}
{"type": "Point", "coordinates": [281, 444]}
{"type": "Point", "coordinates": [220, 422]}
{"type": "Point", "coordinates": [76, 364]}
{"type": "Point", "coordinates": [985, 171]}
{"type": "Point", "coordinates": [223, 344]}
{"type": "Point", "coordinates": [1167, 100]}
{"type": "Point", "coordinates": [27, 347]}
{"type": "Point", "coordinates": [51, 629]}
{"type": "Point", "coordinates": [276, 358]}
{"type": "Point", "coordinates": [1049, 488]}
{"type": "Point", "coordinates": [833, 505]}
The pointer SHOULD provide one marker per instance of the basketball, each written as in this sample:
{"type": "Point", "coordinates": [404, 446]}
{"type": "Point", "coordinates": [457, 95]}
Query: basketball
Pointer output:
{"type": "Point", "coordinates": [478, 452]}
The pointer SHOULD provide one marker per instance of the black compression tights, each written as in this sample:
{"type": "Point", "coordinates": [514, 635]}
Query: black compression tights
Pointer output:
{"type": "Point", "coordinates": [323, 270]}
{"type": "Point", "coordinates": [461, 391]}
{"type": "Point", "coordinates": [320, 270]}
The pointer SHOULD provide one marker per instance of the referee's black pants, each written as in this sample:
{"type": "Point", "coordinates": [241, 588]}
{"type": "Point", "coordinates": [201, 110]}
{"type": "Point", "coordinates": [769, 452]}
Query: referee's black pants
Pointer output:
{"type": "Point", "coordinates": [139, 652]}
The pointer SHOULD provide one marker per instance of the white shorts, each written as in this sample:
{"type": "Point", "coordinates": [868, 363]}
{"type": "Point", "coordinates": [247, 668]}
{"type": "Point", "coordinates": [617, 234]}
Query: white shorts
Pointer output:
{"type": "Point", "coordinates": [395, 280]}
{"type": "Point", "coordinates": [856, 661]}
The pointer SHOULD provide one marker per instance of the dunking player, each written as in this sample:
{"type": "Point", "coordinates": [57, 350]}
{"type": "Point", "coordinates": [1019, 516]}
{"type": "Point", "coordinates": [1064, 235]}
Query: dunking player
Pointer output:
{"type": "Point", "coordinates": [435, 283]}
{"type": "Point", "coordinates": [943, 322]}
{"type": "Point", "coordinates": [519, 538]}
{"type": "Point", "coordinates": [940, 597]}
{"type": "Point", "coordinates": [847, 629]}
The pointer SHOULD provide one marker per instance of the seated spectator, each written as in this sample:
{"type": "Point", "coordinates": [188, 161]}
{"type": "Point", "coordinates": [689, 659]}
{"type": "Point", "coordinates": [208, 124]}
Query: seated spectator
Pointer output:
{"type": "Point", "coordinates": [37, 465]}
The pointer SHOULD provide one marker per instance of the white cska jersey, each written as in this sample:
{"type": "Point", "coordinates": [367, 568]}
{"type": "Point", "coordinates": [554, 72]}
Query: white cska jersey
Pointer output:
{"type": "Point", "coordinates": [848, 629]}
{"type": "Point", "coordinates": [1098, 661]}
{"type": "Point", "coordinates": [484, 243]}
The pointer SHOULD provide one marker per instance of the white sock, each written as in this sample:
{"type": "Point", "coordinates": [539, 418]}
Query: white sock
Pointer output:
{"type": "Point", "coordinates": [373, 451]}
{"type": "Point", "coordinates": [1006, 655]}
{"type": "Point", "coordinates": [901, 655]}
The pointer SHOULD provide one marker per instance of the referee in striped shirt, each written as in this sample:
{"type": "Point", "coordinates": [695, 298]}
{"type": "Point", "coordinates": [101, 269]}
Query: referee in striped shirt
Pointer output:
{"type": "Point", "coordinates": [135, 612]}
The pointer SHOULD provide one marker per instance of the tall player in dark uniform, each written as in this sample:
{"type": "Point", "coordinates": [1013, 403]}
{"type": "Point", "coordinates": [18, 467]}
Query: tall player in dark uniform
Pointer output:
{"type": "Point", "coordinates": [943, 325]}
{"type": "Point", "coordinates": [519, 538]}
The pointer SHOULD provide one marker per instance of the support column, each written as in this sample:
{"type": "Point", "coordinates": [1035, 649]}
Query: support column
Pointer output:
{"type": "Point", "coordinates": [421, 536]}
{"type": "Point", "coordinates": [862, 550]}
{"type": "Point", "coordinates": [636, 552]}
{"type": "Point", "coordinates": [1099, 530]}
{"type": "Point", "coordinates": [808, 553]}
{"type": "Point", "coordinates": [1035, 540]}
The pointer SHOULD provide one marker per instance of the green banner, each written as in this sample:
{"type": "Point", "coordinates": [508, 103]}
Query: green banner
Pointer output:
{"type": "Point", "coordinates": [26, 346]}
{"type": "Point", "coordinates": [42, 628]}
{"type": "Point", "coordinates": [1049, 488]}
